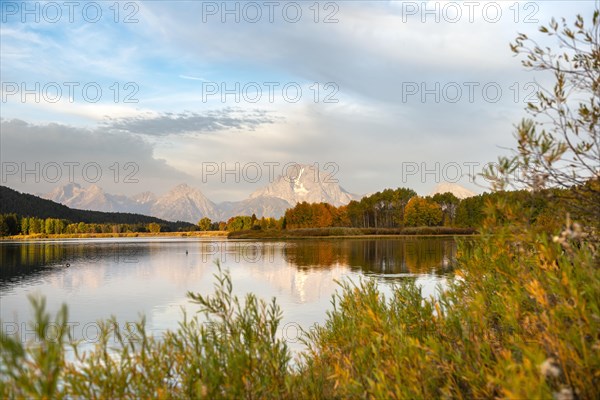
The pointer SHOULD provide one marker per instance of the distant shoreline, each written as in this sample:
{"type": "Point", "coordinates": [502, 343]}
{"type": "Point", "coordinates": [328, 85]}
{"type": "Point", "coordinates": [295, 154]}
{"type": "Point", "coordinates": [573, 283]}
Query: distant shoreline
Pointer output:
{"type": "Point", "coordinates": [318, 233]}
{"type": "Point", "coordinates": [43, 236]}
{"type": "Point", "coordinates": [305, 233]}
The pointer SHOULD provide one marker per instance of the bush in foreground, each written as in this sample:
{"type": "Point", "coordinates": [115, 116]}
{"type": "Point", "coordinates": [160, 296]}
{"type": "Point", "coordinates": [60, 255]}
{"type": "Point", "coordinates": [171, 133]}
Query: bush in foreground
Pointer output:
{"type": "Point", "coordinates": [520, 321]}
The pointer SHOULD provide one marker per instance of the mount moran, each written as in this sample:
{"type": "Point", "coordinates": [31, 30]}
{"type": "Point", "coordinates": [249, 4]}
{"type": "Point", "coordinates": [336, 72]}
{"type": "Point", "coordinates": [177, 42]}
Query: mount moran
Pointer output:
{"type": "Point", "coordinates": [184, 203]}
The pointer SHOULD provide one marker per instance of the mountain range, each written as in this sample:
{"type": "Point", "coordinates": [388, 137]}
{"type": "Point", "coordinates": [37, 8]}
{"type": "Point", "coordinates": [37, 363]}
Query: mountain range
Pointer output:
{"type": "Point", "coordinates": [185, 203]}
{"type": "Point", "coordinates": [24, 204]}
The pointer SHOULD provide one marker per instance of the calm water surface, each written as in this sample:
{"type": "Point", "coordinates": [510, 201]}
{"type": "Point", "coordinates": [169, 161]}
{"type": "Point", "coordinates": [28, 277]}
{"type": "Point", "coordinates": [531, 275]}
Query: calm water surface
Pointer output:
{"type": "Point", "coordinates": [151, 276]}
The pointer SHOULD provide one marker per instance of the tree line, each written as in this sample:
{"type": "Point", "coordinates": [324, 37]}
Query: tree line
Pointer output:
{"type": "Point", "coordinates": [13, 224]}
{"type": "Point", "coordinates": [242, 223]}
{"type": "Point", "coordinates": [22, 213]}
{"type": "Point", "coordinates": [402, 207]}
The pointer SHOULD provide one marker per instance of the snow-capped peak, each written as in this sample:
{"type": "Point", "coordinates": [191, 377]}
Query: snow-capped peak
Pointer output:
{"type": "Point", "coordinates": [305, 183]}
{"type": "Point", "coordinates": [455, 189]}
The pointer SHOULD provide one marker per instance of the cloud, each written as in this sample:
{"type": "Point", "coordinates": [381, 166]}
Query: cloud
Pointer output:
{"type": "Point", "coordinates": [370, 53]}
{"type": "Point", "coordinates": [122, 163]}
{"type": "Point", "coordinates": [192, 78]}
{"type": "Point", "coordinates": [189, 122]}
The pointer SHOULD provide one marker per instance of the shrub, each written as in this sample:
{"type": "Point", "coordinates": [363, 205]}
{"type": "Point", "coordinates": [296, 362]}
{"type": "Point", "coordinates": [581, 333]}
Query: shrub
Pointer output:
{"type": "Point", "coordinates": [521, 321]}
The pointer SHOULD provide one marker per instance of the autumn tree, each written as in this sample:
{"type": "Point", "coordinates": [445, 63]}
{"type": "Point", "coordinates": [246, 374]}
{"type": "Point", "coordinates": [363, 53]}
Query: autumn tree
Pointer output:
{"type": "Point", "coordinates": [421, 211]}
{"type": "Point", "coordinates": [401, 198]}
{"type": "Point", "coordinates": [340, 217]}
{"type": "Point", "coordinates": [312, 215]}
{"type": "Point", "coordinates": [354, 213]}
{"type": "Point", "coordinates": [383, 209]}
{"type": "Point", "coordinates": [448, 203]}
{"type": "Point", "coordinates": [205, 224]}
{"type": "Point", "coordinates": [300, 216]}
{"type": "Point", "coordinates": [153, 227]}
{"type": "Point", "coordinates": [323, 215]}
{"type": "Point", "coordinates": [470, 211]}
{"type": "Point", "coordinates": [239, 223]}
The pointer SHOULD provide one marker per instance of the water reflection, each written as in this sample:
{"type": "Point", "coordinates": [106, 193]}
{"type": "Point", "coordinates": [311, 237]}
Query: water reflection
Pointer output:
{"type": "Point", "coordinates": [129, 277]}
{"type": "Point", "coordinates": [376, 256]}
{"type": "Point", "coordinates": [21, 261]}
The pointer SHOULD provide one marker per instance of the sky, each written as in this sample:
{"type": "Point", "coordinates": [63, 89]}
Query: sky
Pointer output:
{"type": "Point", "coordinates": [224, 96]}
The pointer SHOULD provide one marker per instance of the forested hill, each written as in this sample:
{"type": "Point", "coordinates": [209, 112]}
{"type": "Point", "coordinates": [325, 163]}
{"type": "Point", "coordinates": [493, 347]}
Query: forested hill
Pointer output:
{"type": "Point", "coordinates": [27, 205]}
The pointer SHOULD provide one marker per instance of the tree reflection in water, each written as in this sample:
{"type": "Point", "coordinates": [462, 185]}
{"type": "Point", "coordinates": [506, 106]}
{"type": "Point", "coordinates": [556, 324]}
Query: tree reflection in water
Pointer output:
{"type": "Point", "coordinates": [418, 255]}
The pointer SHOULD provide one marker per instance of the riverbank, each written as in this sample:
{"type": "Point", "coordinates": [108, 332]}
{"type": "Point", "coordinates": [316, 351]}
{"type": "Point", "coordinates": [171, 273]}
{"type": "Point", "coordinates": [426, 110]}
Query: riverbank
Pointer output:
{"type": "Point", "coordinates": [350, 232]}
{"type": "Point", "coordinates": [116, 235]}
{"type": "Point", "coordinates": [305, 233]}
